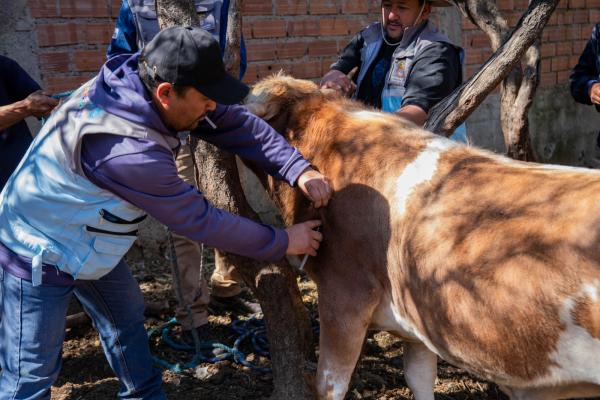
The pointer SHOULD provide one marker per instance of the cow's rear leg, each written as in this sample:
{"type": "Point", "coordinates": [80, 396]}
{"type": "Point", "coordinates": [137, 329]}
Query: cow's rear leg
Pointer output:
{"type": "Point", "coordinates": [420, 369]}
{"type": "Point", "coordinates": [344, 323]}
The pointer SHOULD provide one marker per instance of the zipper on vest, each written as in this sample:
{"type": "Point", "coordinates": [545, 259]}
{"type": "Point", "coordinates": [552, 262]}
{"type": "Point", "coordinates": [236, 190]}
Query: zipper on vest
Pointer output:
{"type": "Point", "coordinates": [96, 230]}
{"type": "Point", "coordinates": [108, 216]}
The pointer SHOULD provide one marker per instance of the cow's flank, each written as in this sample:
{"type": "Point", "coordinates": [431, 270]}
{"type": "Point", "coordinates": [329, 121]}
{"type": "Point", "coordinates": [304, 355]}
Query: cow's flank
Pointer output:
{"type": "Point", "coordinates": [489, 263]}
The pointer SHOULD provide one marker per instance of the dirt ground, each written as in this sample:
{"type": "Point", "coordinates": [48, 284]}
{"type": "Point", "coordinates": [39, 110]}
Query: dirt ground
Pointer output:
{"type": "Point", "coordinates": [86, 375]}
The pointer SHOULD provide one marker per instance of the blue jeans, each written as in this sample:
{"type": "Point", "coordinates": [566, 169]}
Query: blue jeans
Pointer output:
{"type": "Point", "coordinates": [32, 327]}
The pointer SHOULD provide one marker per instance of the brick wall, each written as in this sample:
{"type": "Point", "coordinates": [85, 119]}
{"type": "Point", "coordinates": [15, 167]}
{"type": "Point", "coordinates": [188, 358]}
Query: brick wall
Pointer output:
{"type": "Point", "coordinates": [301, 37]}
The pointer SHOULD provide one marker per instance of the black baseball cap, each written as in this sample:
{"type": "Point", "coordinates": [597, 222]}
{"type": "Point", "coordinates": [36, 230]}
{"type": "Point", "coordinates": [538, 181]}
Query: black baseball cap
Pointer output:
{"type": "Point", "coordinates": [190, 56]}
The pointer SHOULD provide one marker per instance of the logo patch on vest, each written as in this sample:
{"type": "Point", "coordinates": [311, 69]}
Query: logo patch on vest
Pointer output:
{"type": "Point", "coordinates": [399, 70]}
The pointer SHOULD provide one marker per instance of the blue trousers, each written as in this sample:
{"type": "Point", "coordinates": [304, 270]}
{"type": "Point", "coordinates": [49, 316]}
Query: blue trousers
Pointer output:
{"type": "Point", "coordinates": [32, 326]}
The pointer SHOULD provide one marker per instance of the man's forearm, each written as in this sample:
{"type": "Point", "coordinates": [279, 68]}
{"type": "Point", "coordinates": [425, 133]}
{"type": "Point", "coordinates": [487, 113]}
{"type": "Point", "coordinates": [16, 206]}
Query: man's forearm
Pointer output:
{"type": "Point", "coordinates": [413, 113]}
{"type": "Point", "coordinates": [13, 113]}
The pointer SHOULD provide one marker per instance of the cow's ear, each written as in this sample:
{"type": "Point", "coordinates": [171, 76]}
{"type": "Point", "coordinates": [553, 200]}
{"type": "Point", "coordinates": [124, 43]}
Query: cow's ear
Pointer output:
{"type": "Point", "coordinates": [330, 93]}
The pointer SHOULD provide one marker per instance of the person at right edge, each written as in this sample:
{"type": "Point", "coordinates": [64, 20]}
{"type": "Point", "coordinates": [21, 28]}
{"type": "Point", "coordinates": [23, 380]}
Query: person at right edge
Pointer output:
{"type": "Point", "coordinates": [585, 80]}
{"type": "Point", "coordinates": [405, 64]}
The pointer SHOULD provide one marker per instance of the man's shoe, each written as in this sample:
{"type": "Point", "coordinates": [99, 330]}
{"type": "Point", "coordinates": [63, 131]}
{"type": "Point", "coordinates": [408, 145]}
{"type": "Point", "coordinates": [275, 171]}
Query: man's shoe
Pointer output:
{"type": "Point", "coordinates": [236, 304]}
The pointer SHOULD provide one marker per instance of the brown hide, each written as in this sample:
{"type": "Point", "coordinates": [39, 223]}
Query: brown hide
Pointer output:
{"type": "Point", "coordinates": [484, 256]}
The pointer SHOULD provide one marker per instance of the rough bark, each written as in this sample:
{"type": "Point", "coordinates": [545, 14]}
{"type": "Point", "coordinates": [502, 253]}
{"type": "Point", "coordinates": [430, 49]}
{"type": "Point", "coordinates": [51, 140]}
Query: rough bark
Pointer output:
{"type": "Point", "coordinates": [287, 321]}
{"type": "Point", "coordinates": [518, 87]}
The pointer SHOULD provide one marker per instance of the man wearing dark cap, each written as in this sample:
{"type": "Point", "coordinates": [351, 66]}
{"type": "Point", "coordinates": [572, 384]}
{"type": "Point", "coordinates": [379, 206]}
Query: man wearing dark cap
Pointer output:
{"type": "Point", "coordinates": [104, 160]}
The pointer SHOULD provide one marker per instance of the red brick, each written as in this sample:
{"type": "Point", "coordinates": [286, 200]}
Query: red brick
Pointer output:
{"type": "Point", "coordinates": [554, 34]}
{"type": "Point", "coordinates": [580, 16]}
{"type": "Point", "coordinates": [258, 7]}
{"type": "Point", "coordinates": [56, 34]}
{"type": "Point", "coordinates": [260, 51]}
{"type": "Point", "coordinates": [323, 48]}
{"type": "Point", "coordinates": [71, 33]}
{"type": "Point", "coordinates": [84, 8]}
{"type": "Point", "coordinates": [578, 46]}
{"type": "Point", "coordinates": [292, 50]}
{"type": "Point", "coordinates": [479, 40]}
{"type": "Point", "coordinates": [562, 77]}
{"type": "Point", "coordinates": [54, 62]}
{"type": "Point", "coordinates": [56, 84]}
{"type": "Point", "coordinates": [576, 3]}
{"type": "Point", "coordinates": [97, 33]}
{"type": "Point", "coordinates": [564, 48]}
{"type": "Point", "coordinates": [521, 4]}
{"type": "Point", "coordinates": [548, 79]}
{"type": "Point", "coordinates": [592, 4]}
{"type": "Point", "coordinates": [548, 49]}
{"type": "Point", "coordinates": [336, 26]}
{"type": "Point", "coordinates": [506, 5]}
{"type": "Point", "coordinates": [594, 16]}
{"type": "Point", "coordinates": [269, 28]}
{"type": "Point", "coordinates": [546, 66]}
{"type": "Point", "coordinates": [316, 7]}
{"type": "Point", "coordinates": [306, 27]}
{"type": "Point", "coordinates": [560, 63]}
{"type": "Point", "coordinates": [573, 32]}
{"type": "Point", "coordinates": [291, 7]}
{"type": "Point", "coordinates": [258, 71]}
{"type": "Point", "coordinates": [564, 18]}
{"type": "Point", "coordinates": [467, 25]}
{"type": "Point", "coordinates": [573, 60]}
{"type": "Point", "coordinates": [355, 7]}
{"type": "Point", "coordinates": [306, 70]}
{"type": "Point", "coordinates": [44, 8]}
{"type": "Point", "coordinates": [89, 60]}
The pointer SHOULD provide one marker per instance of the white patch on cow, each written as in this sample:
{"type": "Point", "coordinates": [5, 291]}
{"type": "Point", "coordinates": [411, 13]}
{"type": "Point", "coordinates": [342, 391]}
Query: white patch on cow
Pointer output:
{"type": "Point", "coordinates": [338, 385]}
{"type": "Point", "coordinates": [576, 356]}
{"type": "Point", "coordinates": [387, 318]}
{"type": "Point", "coordinates": [364, 114]}
{"type": "Point", "coordinates": [421, 170]}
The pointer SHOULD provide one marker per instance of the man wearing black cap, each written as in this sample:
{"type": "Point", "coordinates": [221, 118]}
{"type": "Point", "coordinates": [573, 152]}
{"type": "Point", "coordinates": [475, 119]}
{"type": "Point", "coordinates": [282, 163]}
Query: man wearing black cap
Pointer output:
{"type": "Point", "coordinates": [104, 160]}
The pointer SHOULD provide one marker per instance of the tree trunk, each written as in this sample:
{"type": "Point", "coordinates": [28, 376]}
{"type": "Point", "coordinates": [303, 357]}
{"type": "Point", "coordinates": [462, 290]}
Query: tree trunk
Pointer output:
{"type": "Point", "coordinates": [518, 87]}
{"type": "Point", "coordinates": [517, 91]}
{"type": "Point", "coordinates": [288, 324]}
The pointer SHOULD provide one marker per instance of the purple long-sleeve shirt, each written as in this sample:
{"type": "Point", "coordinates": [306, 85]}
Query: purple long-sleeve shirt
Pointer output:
{"type": "Point", "coordinates": [146, 176]}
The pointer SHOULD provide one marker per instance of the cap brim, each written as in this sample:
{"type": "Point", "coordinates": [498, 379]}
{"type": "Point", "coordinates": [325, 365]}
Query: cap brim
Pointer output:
{"type": "Point", "coordinates": [227, 90]}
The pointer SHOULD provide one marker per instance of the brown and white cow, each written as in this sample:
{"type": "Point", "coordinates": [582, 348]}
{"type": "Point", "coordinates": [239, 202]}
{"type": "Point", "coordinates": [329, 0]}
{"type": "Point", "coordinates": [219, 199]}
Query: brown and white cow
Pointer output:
{"type": "Point", "coordinates": [489, 263]}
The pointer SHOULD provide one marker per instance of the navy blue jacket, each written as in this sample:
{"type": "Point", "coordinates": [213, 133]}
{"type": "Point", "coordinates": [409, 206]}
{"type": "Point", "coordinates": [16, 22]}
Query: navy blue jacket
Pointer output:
{"type": "Point", "coordinates": [15, 85]}
{"type": "Point", "coordinates": [587, 70]}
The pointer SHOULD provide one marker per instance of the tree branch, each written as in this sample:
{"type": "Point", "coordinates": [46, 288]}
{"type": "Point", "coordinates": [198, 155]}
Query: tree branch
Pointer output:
{"type": "Point", "coordinates": [454, 109]}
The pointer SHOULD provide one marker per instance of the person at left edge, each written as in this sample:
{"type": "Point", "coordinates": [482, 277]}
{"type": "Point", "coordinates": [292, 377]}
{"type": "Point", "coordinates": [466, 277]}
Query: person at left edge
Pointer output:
{"type": "Point", "coordinates": [20, 97]}
{"type": "Point", "coordinates": [100, 163]}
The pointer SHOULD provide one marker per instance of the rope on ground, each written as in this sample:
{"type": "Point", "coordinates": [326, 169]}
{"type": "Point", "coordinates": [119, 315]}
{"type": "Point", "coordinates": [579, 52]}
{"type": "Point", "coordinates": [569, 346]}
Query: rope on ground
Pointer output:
{"type": "Point", "coordinates": [253, 329]}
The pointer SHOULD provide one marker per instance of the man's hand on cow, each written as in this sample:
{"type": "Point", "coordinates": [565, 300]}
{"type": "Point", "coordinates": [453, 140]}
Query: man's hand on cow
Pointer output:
{"type": "Point", "coordinates": [39, 104]}
{"type": "Point", "coordinates": [339, 81]}
{"type": "Point", "coordinates": [315, 186]}
{"type": "Point", "coordinates": [303, 238]}
{"type": "Point", "coordinates": [595, 93]}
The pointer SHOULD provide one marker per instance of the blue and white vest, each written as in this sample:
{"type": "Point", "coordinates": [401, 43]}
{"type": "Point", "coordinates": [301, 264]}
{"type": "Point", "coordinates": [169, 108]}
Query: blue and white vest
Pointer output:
{"type": "Point", "coordinates": [414, 40]}
{"type": "Point", "coordinates": [51, 213]}
{"type": "Point", "coordinates": [146, 20]}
